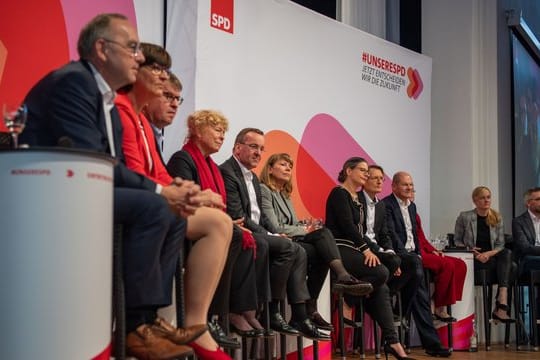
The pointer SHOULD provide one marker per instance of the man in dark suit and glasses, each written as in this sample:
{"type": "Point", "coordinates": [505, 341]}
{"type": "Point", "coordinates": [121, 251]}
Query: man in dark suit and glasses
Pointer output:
{"type": "Point", "coordinates": [75, 103]}
{"type": "Point", "coordinates": [526, 233]}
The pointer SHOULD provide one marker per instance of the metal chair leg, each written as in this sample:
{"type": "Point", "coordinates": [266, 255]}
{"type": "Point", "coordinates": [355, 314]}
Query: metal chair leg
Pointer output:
{"type": "Point", "coordinates": [118, 296]}
{"type": "Point", "coordinates": [341, 326]}
{"type": "Point", "coordinates": [532, 307]}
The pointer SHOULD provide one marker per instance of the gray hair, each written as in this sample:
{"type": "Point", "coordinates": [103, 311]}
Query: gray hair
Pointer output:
{"type": "Point", "coordinates": [97, 28]}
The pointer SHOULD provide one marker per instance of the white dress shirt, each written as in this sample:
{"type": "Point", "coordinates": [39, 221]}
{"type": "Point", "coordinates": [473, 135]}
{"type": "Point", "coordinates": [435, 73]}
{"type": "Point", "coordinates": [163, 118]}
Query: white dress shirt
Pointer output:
{"type": "Point", "coordinates": [108, 96]}
{"type": "Point", "coordinates": [404, 207]}
{"type": "Point", "coordinates": [370, 217]}
{"type": "Point", "coordinates": [248, 178]}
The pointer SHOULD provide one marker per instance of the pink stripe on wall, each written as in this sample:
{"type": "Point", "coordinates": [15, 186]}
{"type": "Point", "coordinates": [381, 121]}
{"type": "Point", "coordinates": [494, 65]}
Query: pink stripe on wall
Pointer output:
{"type": "Point", "coordinates": [329, 143]}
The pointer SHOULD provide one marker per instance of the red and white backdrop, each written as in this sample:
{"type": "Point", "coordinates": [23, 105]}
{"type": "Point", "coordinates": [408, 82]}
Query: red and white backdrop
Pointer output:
{"type": "Point", "coordinates": [322, 91]}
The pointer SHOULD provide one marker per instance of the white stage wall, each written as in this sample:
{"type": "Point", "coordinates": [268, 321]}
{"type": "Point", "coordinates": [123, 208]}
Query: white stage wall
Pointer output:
{"type": "Point", "coordinates": [282, 67]}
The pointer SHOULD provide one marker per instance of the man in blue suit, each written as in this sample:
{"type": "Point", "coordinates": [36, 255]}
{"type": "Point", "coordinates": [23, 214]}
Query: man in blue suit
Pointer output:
{"type": "Point", "coordinates": [73, 107]}
{"type": "Point", "coordinates": [401, 221]}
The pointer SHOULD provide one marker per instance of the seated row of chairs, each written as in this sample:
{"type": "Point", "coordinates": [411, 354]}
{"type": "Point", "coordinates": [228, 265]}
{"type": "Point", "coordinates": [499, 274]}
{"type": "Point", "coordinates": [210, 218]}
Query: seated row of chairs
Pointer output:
{"type": "Point", "coordinates": [482, 278]}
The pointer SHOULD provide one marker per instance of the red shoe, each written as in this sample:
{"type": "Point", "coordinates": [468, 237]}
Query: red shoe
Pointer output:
{"type": "Point", "coordinates": [205, 354]}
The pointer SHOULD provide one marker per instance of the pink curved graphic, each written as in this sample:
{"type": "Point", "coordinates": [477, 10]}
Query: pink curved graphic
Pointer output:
{"type": "Point", "coordinates": [319, 156]}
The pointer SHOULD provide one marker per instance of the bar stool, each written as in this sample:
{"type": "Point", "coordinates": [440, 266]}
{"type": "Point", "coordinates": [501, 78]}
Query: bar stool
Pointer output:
{"type": "Point", "coordinates": [118, 306]}
{"type": "Point", "coordinates": [532, 281]}
{"type": "Point", "coordinates": [283, 339]}
{"type": "Point", "coordinates": [119, 300]}
{"type": "Point", "coordinates": [357, 325]}
{"type": "Point", "coordinates": [482, 278]}
{"type": "Point", "coordinates": [427, 277]}
{"type": "Point", "coordinates": [251, 353]}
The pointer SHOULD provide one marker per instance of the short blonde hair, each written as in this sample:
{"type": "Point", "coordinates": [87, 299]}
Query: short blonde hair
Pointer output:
{"type": "Point", "coordinates": [201, 118]}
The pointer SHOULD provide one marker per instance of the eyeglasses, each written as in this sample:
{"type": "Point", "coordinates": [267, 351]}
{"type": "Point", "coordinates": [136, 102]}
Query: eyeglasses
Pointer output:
{"type": "Point", "coordinates": [134, 47]}
{"type": "Point", "coordinates": [254, 147]}
{"type": "Point", "coordinates": [157, 69]}
{"type": "Point", "coordinates": [170, 98]}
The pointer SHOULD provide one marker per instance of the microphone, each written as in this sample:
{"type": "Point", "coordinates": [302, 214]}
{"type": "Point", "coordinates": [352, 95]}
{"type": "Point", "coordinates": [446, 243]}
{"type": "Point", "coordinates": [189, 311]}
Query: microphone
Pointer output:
{"type": "Point", "coordinates": [65, 142]}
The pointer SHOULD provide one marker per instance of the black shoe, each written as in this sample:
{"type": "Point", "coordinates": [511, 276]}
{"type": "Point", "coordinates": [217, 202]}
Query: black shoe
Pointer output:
{"type": "Point", "coordinates": [320, 323]}
{"type": "Point", "coordinates": [496, 318]}
{"type": "Point", "coordinates": [440, 352]}
{"type": "Point", "coordinates": [309, 330]}
{"type": "Point", "coordinates": [353, 286]}
{"type": "Point", "coordinates": [220, 337]}
{"type": "Point", "coordinates": [253, 333]}
{"type": "Point", "coordinates": [390, 350]}
{"type": "Point", "coordinates": [277, 323]}
{"type": "Point", "coordinates": [351, 323]}
{"type": "Point", "coordinates": [447, 319]}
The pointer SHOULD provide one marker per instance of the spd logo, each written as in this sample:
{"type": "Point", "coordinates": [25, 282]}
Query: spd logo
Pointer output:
{"type": "Point", "coordinates": [222, 15]}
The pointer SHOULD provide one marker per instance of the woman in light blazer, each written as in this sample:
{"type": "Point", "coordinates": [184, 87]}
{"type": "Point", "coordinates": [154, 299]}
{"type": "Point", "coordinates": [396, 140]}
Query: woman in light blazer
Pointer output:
{"type": "Point", "coordinates": [320, 246]}
{"type": "Point", "coordinates": [481, 230]}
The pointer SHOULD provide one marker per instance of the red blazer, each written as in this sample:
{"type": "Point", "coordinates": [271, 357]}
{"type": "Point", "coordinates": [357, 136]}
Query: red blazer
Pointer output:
{"type": "Point", "coordinates": [133, 143]}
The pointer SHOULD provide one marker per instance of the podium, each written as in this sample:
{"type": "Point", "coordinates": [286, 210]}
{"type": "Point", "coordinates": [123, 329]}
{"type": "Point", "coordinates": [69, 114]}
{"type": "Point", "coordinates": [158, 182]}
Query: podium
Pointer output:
{"type": "Point", "coordinates": [56, 220]}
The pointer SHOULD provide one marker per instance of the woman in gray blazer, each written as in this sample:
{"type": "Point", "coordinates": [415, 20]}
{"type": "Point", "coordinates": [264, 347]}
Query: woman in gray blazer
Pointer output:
{"type": "Point", "coordinates": [481, 230]}
{"type": "Point", "coordinates": [320, 246]}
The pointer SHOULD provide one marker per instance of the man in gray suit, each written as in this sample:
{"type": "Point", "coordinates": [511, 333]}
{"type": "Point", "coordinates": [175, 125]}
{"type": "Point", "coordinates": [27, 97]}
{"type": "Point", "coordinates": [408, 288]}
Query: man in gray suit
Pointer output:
{"type": "Point", "coordinates": [526, 233]}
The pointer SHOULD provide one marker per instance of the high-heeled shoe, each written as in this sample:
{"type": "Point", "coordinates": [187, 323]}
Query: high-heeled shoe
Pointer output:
{"type": "Point", "coordinates": [247, 333]}
{"type": "Point", "coordinates": [496, 318]}
{"type": "Point", "coordinates": [446, 319]}
{"type": "Point", "coordinates": [389, 349]}
{"type": "Point", "coordinates": [205, 354]}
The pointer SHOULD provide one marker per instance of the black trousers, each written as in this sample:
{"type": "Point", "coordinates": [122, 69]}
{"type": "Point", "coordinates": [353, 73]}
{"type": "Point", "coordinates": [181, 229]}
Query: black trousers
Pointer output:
{"type": "Point", "coordinates": [153, 237]}
{"type": "Point", "coordinates": [501, 265]}
{"type": "Point", "coordinates": [321, 249]}
{"type": "Point", "coordinates": [416, 300]}
{"type": "Point", "coordinates": [412, 274]}
{"type": "Point", "coordinates": [377, 304]}
{"type": "Point", "coordinates": [288, 268]}
{"type": "Point", "coordinates": [262, 270]}
{"type": "Point", "coordinates": [244, 277]}
{"type": "Point", "coordinates": [528, 263]}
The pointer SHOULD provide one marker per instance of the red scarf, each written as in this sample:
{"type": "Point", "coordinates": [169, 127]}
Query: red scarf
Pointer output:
{"type": "Point", "coordinates": [211, 178]}
{"type": "Point", "coordinates": [208, 171]}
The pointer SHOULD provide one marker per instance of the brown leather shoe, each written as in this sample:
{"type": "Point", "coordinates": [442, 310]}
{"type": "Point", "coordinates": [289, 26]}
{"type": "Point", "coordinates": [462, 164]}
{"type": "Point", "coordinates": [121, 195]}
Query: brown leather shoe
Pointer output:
{"type": "Point", "coordinates": [145, 345]}
{"type": "Point", "coordinates": [179, 336]}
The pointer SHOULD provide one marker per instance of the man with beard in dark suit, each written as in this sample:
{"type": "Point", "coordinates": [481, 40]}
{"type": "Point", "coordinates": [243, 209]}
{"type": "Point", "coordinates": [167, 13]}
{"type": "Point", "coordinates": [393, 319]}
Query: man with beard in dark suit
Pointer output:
{"type": "Point", "coordinates": [526, 233]}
